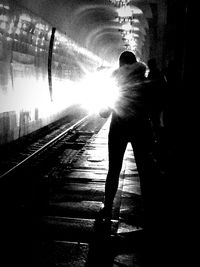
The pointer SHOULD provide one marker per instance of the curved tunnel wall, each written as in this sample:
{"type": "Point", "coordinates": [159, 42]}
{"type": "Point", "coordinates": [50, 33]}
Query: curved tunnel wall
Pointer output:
{"type": "Point", "coordinates": [25, 92]}
{"type": "Point", "coordinates": [27, 99]}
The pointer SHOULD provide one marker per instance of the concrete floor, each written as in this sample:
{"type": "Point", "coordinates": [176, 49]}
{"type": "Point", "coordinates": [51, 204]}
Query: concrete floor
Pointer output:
{"type": "Point", "coordinates": [70, 235]}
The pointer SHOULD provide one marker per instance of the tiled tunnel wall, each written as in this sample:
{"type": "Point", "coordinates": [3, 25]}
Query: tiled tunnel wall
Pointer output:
{"type": "Point", "coordinates": [25, 95]}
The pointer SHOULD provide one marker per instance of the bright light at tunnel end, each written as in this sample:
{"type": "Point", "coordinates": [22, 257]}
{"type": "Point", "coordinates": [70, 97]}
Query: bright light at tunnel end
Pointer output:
{"type": "Point", "coordinates": [98, 90]}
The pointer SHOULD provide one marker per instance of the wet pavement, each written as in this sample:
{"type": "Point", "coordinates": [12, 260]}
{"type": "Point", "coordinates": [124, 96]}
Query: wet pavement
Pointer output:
{"type": "Point", "coordinates": [69, 235]}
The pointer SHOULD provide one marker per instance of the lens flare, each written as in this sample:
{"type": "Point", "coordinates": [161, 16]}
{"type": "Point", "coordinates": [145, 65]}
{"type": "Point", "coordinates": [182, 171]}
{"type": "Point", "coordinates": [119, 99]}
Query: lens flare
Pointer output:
{"type": "Point", "coordinates": [98, 90]}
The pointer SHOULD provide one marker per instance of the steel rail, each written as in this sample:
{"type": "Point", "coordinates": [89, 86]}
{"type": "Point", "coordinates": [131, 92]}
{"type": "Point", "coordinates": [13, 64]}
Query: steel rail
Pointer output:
{"type": "Point", "coordinates": [44, 147]}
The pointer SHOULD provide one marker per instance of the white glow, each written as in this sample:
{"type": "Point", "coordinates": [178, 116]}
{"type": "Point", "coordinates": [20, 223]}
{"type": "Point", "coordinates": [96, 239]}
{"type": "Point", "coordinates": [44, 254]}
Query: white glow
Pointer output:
{"type": "Point", "coordinates": [124, 11]}
{"type": "Point", "coordinates": [135, 20]}
{"type": "Point", "coordinates": [98, 90]}
{"type": "Point", "coordinates": [127, 27]}
{"type": "Point", "coordinates": [136, 28]}
{"type": "Point", "coordinates": [135, 35]}
{"type": "Point", "coordinates": [128, 11]}
{"type": "Point", "coordinates": [128, 36]}
{"type": "Point", "coordinates": [29, 94]}
{"type": "Point", "coordinates": [136, 10]}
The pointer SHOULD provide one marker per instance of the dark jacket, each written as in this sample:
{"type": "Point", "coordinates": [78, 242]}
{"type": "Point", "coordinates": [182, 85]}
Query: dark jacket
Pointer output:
{"type": "Point", "coordinates": [130, 114]}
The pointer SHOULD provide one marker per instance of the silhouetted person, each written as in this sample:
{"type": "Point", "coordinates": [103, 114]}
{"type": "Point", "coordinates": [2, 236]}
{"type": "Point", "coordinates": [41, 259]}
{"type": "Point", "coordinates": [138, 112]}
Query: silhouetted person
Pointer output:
{"type": "Point", "coordinates": [157, 101]}
{"type": "Point", "coordinates": [157, 94]}
{"type": "Point", "coordinates": [173, 94]}
{"type": "Point", "coordinates": [129, 123]}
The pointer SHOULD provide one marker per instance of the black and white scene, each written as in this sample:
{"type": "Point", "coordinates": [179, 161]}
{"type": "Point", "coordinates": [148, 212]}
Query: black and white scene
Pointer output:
{"type": "Point", "coordinates": [92, 154]}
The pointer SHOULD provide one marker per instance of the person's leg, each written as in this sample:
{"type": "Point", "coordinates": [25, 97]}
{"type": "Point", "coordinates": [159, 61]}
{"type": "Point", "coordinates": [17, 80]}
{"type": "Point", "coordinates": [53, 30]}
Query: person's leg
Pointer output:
{"type": "Point", "coordinates": [145, 167]}
{"type": "Point", "coordinates": [116, 149]}
{"type": "Point", "coordinates": [142, 144]}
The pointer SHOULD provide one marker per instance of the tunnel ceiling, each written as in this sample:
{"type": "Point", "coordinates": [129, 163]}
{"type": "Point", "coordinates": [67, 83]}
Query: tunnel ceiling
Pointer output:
{"type": "Point", "coordinates": [99, 25]}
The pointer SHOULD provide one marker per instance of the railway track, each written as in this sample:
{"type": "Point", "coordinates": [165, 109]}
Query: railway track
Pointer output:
{"type": "Point", "coordinates": [17, 151]}
{"type": "Point", "coordinates": [19, 156]}
{"type": "Point", "coordinates": [34, 150]}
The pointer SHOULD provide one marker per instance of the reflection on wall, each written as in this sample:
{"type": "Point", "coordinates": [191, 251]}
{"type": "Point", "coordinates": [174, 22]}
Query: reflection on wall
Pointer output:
{"type": "Point", "coordinates": [25, 103]}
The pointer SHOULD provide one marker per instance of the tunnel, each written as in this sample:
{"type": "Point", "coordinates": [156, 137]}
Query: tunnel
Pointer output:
{"type": "Point", "coordinates": [51, 52]}
{"type": "Point", "coordinates": [47, 46]}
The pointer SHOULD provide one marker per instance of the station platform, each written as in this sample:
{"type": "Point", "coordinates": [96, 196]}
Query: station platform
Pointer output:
{"type": "Point", "coordinates": [71, 235]}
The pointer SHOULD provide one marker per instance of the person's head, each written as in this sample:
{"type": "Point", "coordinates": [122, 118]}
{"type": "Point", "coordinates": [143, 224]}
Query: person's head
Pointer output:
{"type": "Point", "coordinates": [127, 57]}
